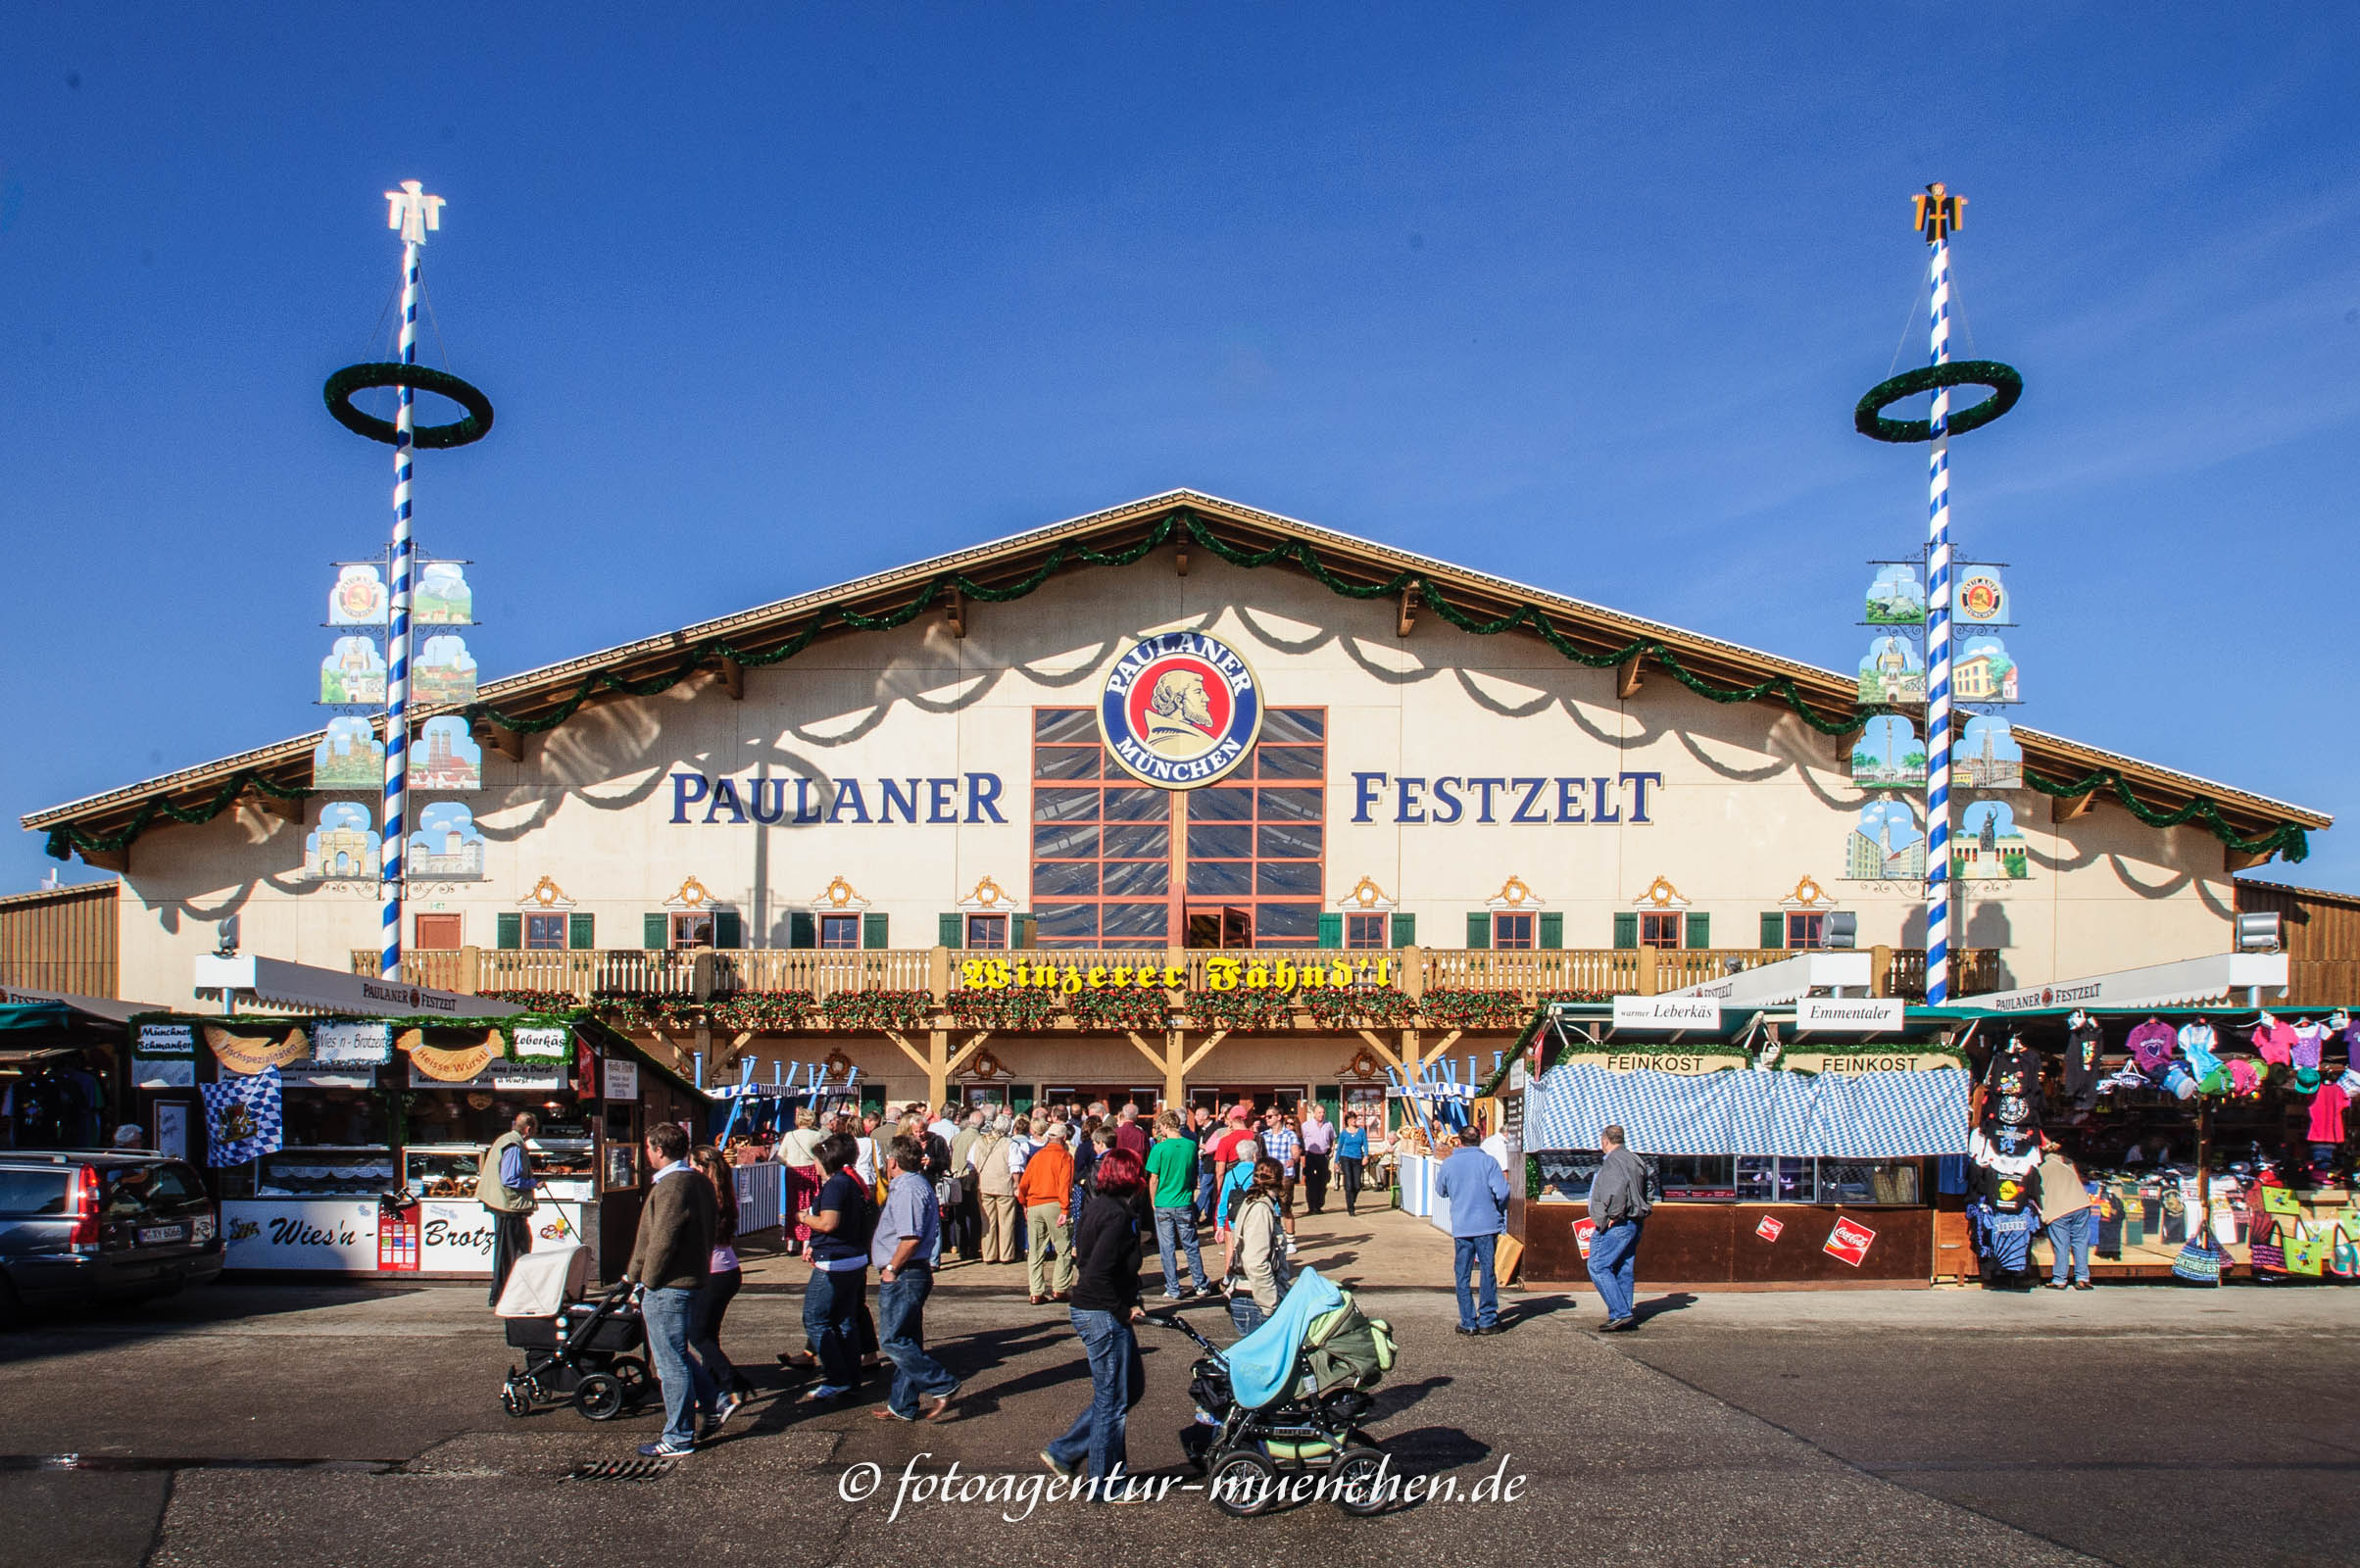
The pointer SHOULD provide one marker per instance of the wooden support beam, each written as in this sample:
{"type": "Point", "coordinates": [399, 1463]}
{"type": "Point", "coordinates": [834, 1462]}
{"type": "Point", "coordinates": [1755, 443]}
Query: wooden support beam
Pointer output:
{"type": "Point", "coordinates": [1385, 1053]}
{"type": "Point", "coordinates": [118, 861]}
{"type": "Point", "coordinates": [959, 1057]}
{"type": "Point", "coordinates": [733, 679]}
{"type": "Point", "coordinates": [1408, 622]}
{"type": "Point", "coordinates": [2065, 808]}
{"type": "Point", "coordinates": [1180, 558]}
{"type": "Point", "coordinates": [956, 612]}
{"type": "Point", "coordinates": [1155, 1054]}
{"type": "Point", "coordinates": [1203, 1051]}
{"type": "Point", "coordinates": [916, 1056]}
{"type": "Point", "coordinates": [2235, 861]}
{"type": "Point", "coordinates": [1626, 677]}
{"type": "Point", "coordinates": [500, 737]}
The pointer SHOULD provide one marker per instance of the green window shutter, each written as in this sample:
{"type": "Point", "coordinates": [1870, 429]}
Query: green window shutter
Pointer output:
{"type": "Point", "coordinates": [1020, 1096]}
{"type": "Point", "coordinates": [1774, 928]}
{"type": "Point", "coordinates": [1331, 931]}
{"type": "Point", "coordinates": [1331, 1099]}
{"type": "Point", "coordinates": [1021, 931]}
{"type": "Point", "coordinates": [1626, 928]}
{"type": "Point", "coordinates": [803, 929]}
{"type": "Point", "coordinates": [1404, 930]}
{"type": "Point", "coordinates": [510, 931]}
{"type": "Point", "coordinates": [1700, 930]}
{"type": "Point", "coordinates": [1552, 928]}
{"type": "Point", "coordinates": [581, 931]}
{"type": "Point", "coordinates": [729, 929]}
{"type": "Point", "coordinates": [951, 930]}
{"type": "Point", "coordinates": [873, 930]}
{"type": "Point", "coordinates": [1479, 928]}
{"type": "Point", "coordinates": [656, 930]}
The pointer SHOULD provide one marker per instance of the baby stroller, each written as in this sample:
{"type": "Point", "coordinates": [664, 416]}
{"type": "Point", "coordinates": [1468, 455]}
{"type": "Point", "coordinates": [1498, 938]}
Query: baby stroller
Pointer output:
{"type": "Point", "coordinates": [1287, 1400]}
{"type": "Point", "coordinates": [577, 1351]}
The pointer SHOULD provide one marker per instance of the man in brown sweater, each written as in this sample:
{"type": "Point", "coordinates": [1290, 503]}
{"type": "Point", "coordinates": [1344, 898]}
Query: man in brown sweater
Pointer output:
{"type": "Point", "coordinates": [671, 1258]}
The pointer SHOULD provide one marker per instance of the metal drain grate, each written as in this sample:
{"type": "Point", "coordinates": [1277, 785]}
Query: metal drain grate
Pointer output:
{"type": "Point", "coordinates": [623, 1470]}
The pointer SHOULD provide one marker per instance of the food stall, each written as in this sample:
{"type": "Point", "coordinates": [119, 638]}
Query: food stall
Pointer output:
{"type": "Point", "coordinates": [1790, 1146]}
{"type": "Point", "coordinates": [351, 1144]}
{"type": "Point", "coordinates": [61, 1070]}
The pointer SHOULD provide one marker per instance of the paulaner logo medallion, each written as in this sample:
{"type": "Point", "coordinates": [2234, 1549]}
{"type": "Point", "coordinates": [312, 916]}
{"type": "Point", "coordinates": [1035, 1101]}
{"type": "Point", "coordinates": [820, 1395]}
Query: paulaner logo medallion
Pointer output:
{"type": "Point", "coordinates": [1180, 710]}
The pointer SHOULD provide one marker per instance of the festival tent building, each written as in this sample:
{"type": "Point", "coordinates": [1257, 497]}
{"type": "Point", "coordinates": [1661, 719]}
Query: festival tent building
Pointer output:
{"type": "Point", "coordinates": [1098, 809]}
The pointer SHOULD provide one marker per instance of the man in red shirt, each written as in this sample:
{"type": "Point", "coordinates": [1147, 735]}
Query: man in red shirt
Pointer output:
{"type": "Point", "coordinates": [1225, 1147]}
{"type": "Point", "coordinates": [1129, 1134]}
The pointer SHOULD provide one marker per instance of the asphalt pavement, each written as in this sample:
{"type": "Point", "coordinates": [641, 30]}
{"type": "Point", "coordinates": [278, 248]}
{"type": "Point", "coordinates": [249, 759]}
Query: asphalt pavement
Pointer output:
{"type": "Point", "coordinates": [2139, 1425]}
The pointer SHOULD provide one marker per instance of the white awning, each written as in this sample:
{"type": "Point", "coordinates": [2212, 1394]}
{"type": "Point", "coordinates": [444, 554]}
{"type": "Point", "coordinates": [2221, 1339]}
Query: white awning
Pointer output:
{"type": "Point", "coordinates": [2190, 982]}
{"type": "Point", "coordinates": [1788, 980]}
{"type": "Point", "coordinates": [303, 985]}
{"type": "Point", "coordinates": [110, 1008]}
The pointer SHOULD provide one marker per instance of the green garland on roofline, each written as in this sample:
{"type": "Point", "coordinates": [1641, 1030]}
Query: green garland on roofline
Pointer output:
{"type": "Point", "coordinates": [2287, 839]}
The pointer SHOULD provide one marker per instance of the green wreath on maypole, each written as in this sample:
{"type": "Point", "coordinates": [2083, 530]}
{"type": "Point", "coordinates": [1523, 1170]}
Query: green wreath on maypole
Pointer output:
{"type": "Point", "coordinates": [1868, 415]}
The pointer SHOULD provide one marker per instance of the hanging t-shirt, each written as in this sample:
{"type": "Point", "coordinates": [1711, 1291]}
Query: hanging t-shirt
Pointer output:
{"type": "Point", "coordinates": [2327, 1115]}
{"type": "Point", "coordinates": [2197, 1042]}
{"type": "Point", "coordinates": [2275, 1041]}
{"type": "Point", "coordinates": [2081, 1044]}
{"type": "Point", "coordinates": [2014, 1084]}
{"type": "Point", "coordinates": [2310, 1045]}
{"type": "Point", "coordinates": [2151, 1045]}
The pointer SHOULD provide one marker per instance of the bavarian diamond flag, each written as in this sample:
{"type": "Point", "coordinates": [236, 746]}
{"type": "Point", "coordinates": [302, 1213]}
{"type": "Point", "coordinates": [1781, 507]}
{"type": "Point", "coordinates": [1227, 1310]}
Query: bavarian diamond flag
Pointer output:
{"type": "Point", "coordinates": [242, 1119]}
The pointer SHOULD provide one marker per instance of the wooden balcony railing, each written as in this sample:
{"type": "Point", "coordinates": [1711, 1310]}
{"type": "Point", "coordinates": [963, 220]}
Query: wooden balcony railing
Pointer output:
{"type": "Point", "coordinates": [1530, 973]}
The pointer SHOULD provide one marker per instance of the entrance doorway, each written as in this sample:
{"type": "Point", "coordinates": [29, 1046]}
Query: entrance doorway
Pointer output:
{"type": "Point", "coordinates": [1291, 1098]}
{"type": "Point", "coordinates": [1227, 927]}
{"type": "Point", "coordinates": [1082, 1095]}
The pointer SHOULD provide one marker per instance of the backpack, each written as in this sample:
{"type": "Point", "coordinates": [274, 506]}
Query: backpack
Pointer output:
{"type": "Point", "coordinates": [1346, 1349]}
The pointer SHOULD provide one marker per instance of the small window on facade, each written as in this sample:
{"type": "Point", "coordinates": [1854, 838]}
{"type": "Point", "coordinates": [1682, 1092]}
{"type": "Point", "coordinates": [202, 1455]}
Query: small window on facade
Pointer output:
{"type": "Point", "coordinates": [1659, 929]}
{"type": "Point", "coordinates": [1512, 931]}
{"type": "Point", "coordinates": [691, 931]}
{"type": "Point", "coordinates": [1366, 931]}
{"type": "Point", "coordinates": [987, 930]}
{"type": "Point", "coordinates": [839, 930]}
{"type": "Point", "coordinates": [1806, 930]}
{"type": "Point", "coordinates": [545, 933]}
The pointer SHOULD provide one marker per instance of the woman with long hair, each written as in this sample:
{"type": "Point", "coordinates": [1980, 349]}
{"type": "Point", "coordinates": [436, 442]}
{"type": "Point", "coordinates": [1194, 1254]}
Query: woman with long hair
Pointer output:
{"type": "Point", "coordinates": [1255, 1268]}
{"type": "Point", "coordinates": [1104, 1305]}
{"type": "Point", "coordinates": [721, 1285]}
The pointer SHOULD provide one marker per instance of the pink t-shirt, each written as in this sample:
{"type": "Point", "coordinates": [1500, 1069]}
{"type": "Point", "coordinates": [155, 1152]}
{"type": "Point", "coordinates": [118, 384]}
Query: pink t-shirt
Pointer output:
{"type": "Point", "coordinates": [2327, 1115]}
{"type": "Point", "coordinates": [2275, 1042]}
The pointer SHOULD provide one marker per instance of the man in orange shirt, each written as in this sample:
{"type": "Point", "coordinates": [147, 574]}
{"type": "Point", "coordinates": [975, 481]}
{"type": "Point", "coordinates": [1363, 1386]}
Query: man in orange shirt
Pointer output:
{"type": "Point", "coordinates": [1044, 1189]}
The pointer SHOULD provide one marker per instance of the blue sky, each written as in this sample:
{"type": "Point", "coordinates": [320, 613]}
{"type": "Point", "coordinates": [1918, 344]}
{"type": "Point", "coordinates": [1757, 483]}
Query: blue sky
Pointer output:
{"type": "Point", "coordinates": [1580, 297]}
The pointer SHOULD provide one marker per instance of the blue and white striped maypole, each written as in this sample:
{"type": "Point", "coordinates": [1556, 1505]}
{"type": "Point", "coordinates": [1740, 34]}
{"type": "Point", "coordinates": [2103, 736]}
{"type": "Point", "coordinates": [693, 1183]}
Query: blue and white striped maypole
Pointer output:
{"type": "Point", "coordinates": [1937, 218]}
{"type": "Point", "coordinates": [412, 211]}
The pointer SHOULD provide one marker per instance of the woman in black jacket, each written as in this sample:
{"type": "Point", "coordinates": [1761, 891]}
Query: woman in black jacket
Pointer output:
{"type": "Point", "coordinates": [1104, 1306]}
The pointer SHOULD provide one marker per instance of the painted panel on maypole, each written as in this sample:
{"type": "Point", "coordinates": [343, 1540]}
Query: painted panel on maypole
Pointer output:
{"type": "Point", "coordinates": [1937, 214]}
{"type": "Point", "coordinates": [414, 214]}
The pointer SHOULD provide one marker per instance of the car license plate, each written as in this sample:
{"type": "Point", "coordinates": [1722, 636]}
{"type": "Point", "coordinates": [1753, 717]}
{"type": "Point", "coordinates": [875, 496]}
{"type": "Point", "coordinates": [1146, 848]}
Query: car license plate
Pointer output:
{"type": "Point", "coordinates": [159, 1235]}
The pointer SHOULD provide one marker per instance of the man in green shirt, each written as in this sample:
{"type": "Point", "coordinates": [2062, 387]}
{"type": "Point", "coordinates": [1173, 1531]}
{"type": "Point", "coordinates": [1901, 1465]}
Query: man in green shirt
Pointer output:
{"type": "Point", "coordinates": [1172, 1190]}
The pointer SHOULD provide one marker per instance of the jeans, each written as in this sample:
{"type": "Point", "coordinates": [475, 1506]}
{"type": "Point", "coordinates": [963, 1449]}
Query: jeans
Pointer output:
{"type": "Point", "coordinates": [687, 1386]}
{"type": "Point", "coordinates": [1117, 1381]}
{"type": "Point", "coordinates": [1205, 1190]}
{"type": "Point", "coordinates": [2068, 1238]}
{"type": "Point", "coordinates": [1176, 1231]}
{"type": "Point", "coordinates": [1350, 1169]}
{"type": "Point", "coordinates": [705, 1327]}
{"type": "Point", "coordinates": [1315, 1179]}
{"type": "Point", "coordinates": [902, 1316]}
{"type": "Point", "coordinates": [832, 1315]}
{"type": "Point", "coordinates": [1473, 1255]}
{"type": "Point", "coordinates": [1244, 1315]}
{"type": "Point", "coordinates": [1614, 1266]}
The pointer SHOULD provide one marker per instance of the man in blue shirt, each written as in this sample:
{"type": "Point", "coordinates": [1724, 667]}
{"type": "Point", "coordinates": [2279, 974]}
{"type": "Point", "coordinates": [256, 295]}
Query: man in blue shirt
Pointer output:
{"type": "Point", "coordinates": [903, 1248]}
{"type": "Point", "coordinates": [1471, 1181]}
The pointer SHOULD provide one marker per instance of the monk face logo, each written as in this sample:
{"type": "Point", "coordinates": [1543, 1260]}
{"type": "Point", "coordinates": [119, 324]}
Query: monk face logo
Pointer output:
{"type": "Point", "coordinates": [1180, 710]}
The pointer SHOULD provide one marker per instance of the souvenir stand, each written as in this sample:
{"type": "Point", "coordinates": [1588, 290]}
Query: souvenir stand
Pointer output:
{"type": "Point", "coordinates": [1432, 1097]}
{"type": "Point", "coordinates": [2188, 1117]}
{"type": "Point", "coordinates": [1789, 1145]}
{"type": "Point", "coordinates": [61, 1071]}
{"type": "Point", "coordinates": [358, 1139]}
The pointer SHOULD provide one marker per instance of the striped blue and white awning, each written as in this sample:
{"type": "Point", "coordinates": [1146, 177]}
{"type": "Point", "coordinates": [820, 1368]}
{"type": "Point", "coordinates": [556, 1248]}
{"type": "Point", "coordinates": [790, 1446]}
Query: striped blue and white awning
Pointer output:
{"type": "Point", "coordinates": [1870, 1116]}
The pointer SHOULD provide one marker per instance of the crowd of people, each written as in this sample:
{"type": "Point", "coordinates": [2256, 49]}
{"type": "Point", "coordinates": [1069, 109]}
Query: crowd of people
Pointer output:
{"type": "Point", "coordinates": [1074, 1193]}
